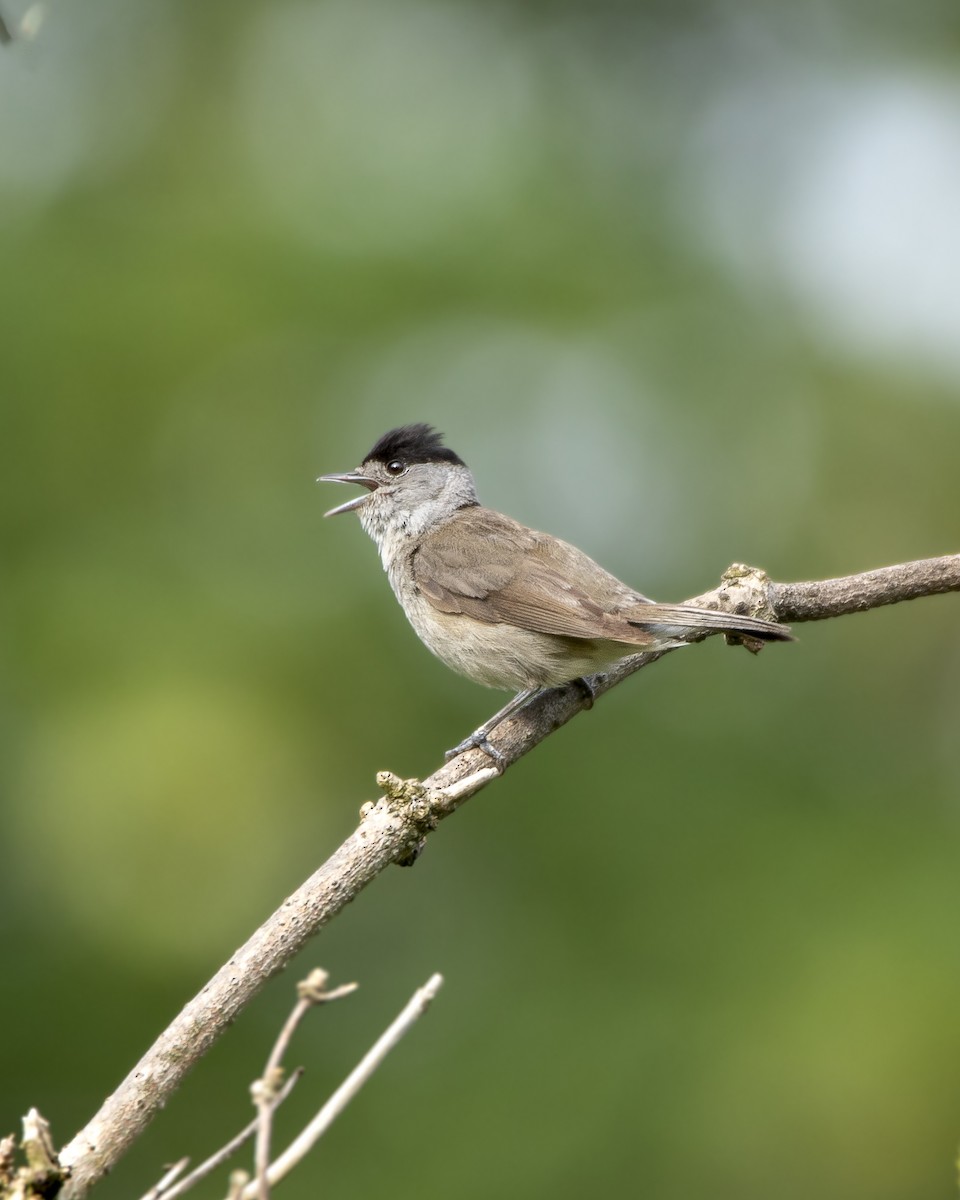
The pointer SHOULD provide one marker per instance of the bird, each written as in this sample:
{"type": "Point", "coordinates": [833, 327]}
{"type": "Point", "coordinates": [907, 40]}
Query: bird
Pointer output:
{"type": "Point", "coordinates": [505, 605]}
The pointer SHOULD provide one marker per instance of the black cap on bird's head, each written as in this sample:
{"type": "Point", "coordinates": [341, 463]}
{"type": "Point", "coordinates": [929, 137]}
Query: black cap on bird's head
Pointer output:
{"type": "Point", "coordinates": [406, 446]}
{"type": "Point", "coordinates": [412, 444]}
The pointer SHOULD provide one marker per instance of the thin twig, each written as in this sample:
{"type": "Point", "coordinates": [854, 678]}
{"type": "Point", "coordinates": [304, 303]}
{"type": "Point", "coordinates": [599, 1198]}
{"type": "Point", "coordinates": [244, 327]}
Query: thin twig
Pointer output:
{"type": "Point", "coordinates": [210, 1164]}
{"type": "Point", "coordinates": [264, 1092]}
{"type": "Point", "coordinates": [167, 1180]}
{"type": "Point", "coordinates": [393, 827]}
{"type": "Point", "coordinates": [311, 1134]}
{"type": "Point", "coordinates": [313, 991]}
{"type": "Point", "coordinates": [238, 1181]}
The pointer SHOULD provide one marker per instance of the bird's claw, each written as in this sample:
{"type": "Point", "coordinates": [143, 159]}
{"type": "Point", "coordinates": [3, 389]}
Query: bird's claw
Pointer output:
{"type": "Point", "coordinates": [478, 741]}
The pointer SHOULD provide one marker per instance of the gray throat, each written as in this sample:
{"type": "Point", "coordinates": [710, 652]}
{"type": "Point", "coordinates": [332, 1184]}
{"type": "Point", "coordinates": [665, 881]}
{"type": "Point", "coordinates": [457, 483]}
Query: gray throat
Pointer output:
{"type": "Point", "coordinates": [398, 520]}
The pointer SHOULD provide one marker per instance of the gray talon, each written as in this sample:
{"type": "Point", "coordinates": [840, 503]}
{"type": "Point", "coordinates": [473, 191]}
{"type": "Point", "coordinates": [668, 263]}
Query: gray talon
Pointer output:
{"type": "Point", "coordinates": [478, 741]}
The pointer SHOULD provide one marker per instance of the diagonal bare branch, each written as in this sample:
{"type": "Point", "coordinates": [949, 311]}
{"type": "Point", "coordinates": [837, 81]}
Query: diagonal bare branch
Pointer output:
{"type": "Point", "coordinates": [209, 1165]}
{"type": "Point", "coordinates": [304, 1142]}
{"type": "Point", "coordinates": [392, 829]}
{"type": "Point", "coordinates": [268, 1089]}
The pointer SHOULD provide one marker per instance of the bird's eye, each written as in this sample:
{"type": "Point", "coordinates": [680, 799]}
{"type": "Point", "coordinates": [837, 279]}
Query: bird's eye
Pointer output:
{"type": "Point", "coordinates": [396, 467]}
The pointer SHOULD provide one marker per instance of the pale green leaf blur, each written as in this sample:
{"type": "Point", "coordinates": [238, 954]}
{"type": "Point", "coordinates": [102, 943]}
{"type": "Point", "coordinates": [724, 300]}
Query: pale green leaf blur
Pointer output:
{"type": "Point", "coordinates": [682, 284]}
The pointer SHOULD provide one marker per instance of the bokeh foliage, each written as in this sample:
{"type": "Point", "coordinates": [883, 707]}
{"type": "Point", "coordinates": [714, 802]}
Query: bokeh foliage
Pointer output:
{"type": "Point", "coordinates": [680, 282]}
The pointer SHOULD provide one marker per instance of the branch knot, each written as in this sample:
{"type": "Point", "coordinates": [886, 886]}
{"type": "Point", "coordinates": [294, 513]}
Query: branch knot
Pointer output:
{"type": "Point", "coordinates": [411, 800]}
{"type": "Point", "coordinates": [746, 591]}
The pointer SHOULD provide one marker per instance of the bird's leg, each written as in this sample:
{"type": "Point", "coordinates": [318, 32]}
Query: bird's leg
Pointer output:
{"type": "Point", "coordinates": [478, 739]}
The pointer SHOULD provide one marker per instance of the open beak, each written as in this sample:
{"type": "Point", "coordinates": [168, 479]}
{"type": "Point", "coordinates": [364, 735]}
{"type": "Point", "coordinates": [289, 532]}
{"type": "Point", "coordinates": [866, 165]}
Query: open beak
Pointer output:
{"type": "Point", "coordinates": [349, 477]}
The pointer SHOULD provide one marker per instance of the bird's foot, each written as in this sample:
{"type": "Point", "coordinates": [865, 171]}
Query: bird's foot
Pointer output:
{"type": "Point", "coordinates": [478, 741]}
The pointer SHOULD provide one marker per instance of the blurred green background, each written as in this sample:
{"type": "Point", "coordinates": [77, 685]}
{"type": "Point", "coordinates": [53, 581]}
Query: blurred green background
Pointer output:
{"type": "Point", "coordinates": [681, 283]}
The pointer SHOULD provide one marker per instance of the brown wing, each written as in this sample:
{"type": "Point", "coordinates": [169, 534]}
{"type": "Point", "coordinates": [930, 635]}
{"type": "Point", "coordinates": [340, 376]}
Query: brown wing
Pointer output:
{"type": "Point", "coordinates": [492, 568]}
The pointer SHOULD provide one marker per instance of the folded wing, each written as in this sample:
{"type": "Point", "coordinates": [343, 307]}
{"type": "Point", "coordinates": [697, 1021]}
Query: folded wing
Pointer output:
{"type": "Point", "coordinates": [496, 570]}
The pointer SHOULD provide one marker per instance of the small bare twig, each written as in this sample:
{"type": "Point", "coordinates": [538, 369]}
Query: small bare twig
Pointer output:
{"type": "Point", "coordinates": [392, 828]}
{"type": "Point", "coordinates": [167, 1180]}
{"type": "Point", "coordinates": [265, 1091]}
{"type": "Point", "coordinates": [41, 1174]}
{"type": "Point", "coordinates": [238, 1181]}
{"type": "Point", "coordinates": [312, 991]}
{"type": "Point", "coordinates": [308, 1138]}
{"type": "Point", "coordinates": [209, 1165]}
{"type": "Point", "coordinates": [8, 1160]}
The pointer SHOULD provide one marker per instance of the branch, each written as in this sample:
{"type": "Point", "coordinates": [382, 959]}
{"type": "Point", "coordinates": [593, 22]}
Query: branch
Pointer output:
{"type": "Point", "coordinates": [304, 1142]}
{"type": "Point", "coordinates": [166, 1189]}
{"type": "Point", "coordinates": [268, 1095]}
{"type": "Point", "coordinates": [393, 828]}
{"type": "Point", "coordinates": [873, 589]}
{"type": "Point", "coordinates": [267, 1090]}
{"type": "Point", "coordinates": [168, 1179]}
